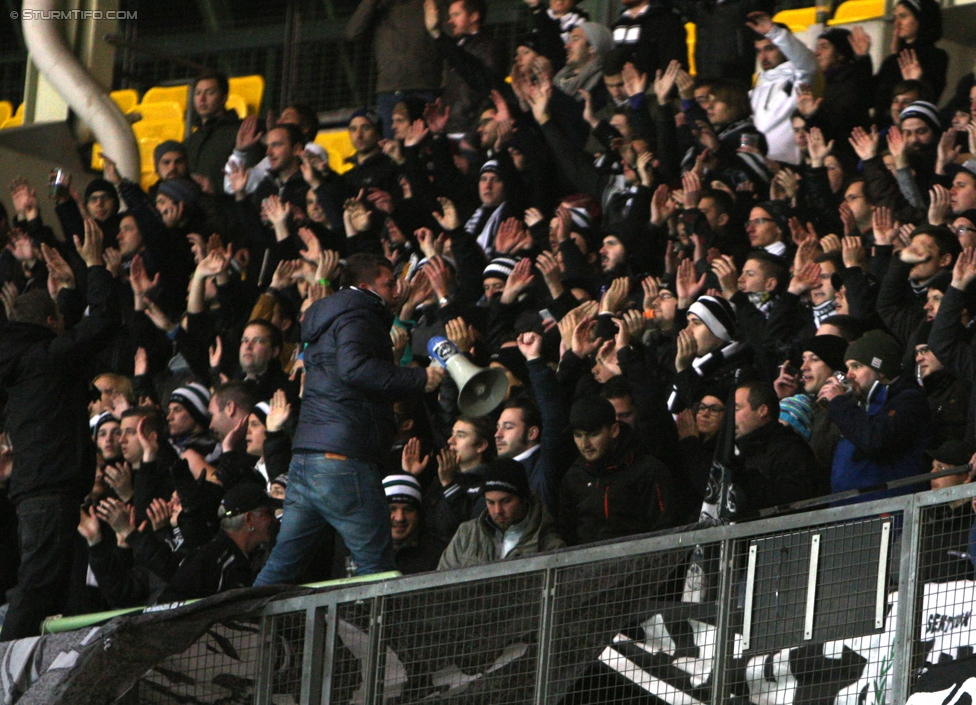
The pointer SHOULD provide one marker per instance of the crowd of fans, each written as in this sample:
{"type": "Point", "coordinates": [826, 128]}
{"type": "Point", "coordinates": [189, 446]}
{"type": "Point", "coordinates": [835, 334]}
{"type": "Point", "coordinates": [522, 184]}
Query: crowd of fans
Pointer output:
{"type": "Point", "coordinates": [668, 269]}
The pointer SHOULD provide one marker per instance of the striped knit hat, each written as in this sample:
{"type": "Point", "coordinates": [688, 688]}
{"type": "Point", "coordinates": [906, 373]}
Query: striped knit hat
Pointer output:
{"type": "Point", "coordinates": [924, 111]}
{"type": "Point", "coordinates": [195, 398]}
{"type": "Point", "coordinates": [402, 488]}
{"type": "Point", "coordinates": [718, 316]}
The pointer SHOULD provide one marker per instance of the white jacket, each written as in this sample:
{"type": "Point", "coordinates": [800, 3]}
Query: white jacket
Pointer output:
{"type": "Point", "coordinates": [774, 96]}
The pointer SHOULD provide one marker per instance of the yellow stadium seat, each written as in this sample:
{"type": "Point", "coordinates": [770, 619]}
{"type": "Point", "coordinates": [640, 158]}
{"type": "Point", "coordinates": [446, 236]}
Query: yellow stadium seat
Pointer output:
{"type": "Point", "coordinates": [797, 20]}
{"type": "Point", "coordinates": [15, 120]}
{"type": "Point", "coordinates": [165, 110]}
{"type": "Point", "coordinates": [690, 32]}
{"type": "Point", "coordinates": [125, 99]}
{"type": "Point", "coordinates": [251, 89]}
{"type": "Point", "coordinates": [166, 94]}
{"type": "Point", "coordinates": [6, 111]}
{"type": "Point", "coordinates": [858, 11]}
{"type": "Point", "coordinates": [339, 148]}
{"type": "Point", "coordinates": [236, 103]}
{"type": "Point", "coordinates": [161, 129]}
{"type": "Point", "coordinates": [97, 164]}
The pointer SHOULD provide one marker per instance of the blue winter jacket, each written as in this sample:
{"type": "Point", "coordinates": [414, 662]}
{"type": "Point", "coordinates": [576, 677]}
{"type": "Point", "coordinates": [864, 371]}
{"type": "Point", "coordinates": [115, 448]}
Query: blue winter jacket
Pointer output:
{"type": "Point", "coordinates": [351, 380]}
{"type": "Point", "coordinates": [882, 443]}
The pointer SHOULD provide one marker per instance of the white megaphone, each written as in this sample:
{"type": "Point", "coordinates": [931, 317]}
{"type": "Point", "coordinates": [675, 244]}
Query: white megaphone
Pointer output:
{"type": "Point", "coordinates": [480, 389]}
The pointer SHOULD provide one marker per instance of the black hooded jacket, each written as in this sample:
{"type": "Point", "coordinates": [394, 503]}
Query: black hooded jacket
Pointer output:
{"type": "Point", "coordinates": [45, 375]}
{"type": "Point", "coordinates": [622, 494]}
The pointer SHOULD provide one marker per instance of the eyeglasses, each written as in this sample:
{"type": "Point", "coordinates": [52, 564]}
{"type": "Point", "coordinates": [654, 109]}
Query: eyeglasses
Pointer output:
{"type": "Point", "coordinates": [759, 221]}
{"type": "Point", "coordinates": [922, 350]}
{"type": "Point", "coordinates": [710, 408]}
{"type": "Point", "coordinates": [963, 229]}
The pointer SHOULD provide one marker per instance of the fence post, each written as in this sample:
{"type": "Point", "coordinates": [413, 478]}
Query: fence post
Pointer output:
{"type": "Point", "coordinates": [262, 689]}
{"type": "Point", "coordinates": [723, 619]}
{"type": "Point", "coordinates": [314, 641]}
{"type": "Point", "coordinates": [545, 636]}
{"type": "Point", "coordinates": [909, 602]}
{"type": "Point", "coordinates": [373, 665]}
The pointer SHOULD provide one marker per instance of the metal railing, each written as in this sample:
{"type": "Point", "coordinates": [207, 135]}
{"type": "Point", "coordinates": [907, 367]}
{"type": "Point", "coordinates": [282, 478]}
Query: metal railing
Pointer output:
{"type": "Point", "coordinates": [845, 601]}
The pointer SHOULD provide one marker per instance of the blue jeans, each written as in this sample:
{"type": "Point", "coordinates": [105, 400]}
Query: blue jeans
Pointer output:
{"type": "Point", "coordinates": [345, 494]}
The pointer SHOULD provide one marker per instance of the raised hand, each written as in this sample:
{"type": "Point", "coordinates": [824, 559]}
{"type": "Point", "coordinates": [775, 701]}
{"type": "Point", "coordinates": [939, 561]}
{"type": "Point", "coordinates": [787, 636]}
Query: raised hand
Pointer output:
{"type": "Point", "coordinates": [804, 278]}
{"type": "Point", "coordinates": [248, 134]}
{"type": "Point", "coordinates": [447, 466]}
{"type": "Point", "coordinates": [896, 145]}
{"type": "Point", "coordinates": [727, 274]}
{"type": "Point", "coordinates": [635, 82]}
{"type": "Point", "coordinates": [852, 250]}
{"type": "Point", "coordinates": [759, 22]}
{"type": "Point", "coordinates": [448, 217]}
{"type": "Point", "coordinates": [860, 41]}
{"type": "Point", "coordinates": [548, 264]}
{"type": "Point", "coordinates": [279, 411]}
{"type": "Point", "coordinates": [520, 278]}
{"type": "Point", "coordinates": [909, 65]}
{"type": "Point", "coordinates": [530, 345]}
{"type": "Point", "coordinates": [436, 115]}
{"type": "Point", "coordinates": [865, 144]}
{"type": "Point", "coordinates": [512, 237]}
{"type": "Point", "coordinates": [690, 189]}
{"type": "Point", "coordinates": [356, 216]}
{"type": "Point", "coordinates": [91, 248]}
{"type": "Point", "coordinates": [581, 344]}
{"type": "Point", "coordinates": [664, 82]}
{"type": "Point", "coordinates": [818, 147]}
{"type": "Point", "coordinates": [947, 151]}
{"type": "Point", "coordinates": [460, 333]}
{"type": "Point", "coordinates": [687, 286]}
{"type": "Point", "coordinates": [615, 295]}
{"type": "Point", "coordinates": [964, 271]}
{"type": "Point", "coordinates": [59, 274]}
{"type": "Point", "coordinates": [662, 207]}
{"type": "Point", "coordinates": [410, 460]}
{"type": "Point", "coordinates": [940, 205]}
{"type": "Point", "coordinates": [883, 226]}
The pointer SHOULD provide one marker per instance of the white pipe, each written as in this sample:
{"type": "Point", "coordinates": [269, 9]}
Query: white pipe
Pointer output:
{"type": "Point", "coordinates": [50, 53]}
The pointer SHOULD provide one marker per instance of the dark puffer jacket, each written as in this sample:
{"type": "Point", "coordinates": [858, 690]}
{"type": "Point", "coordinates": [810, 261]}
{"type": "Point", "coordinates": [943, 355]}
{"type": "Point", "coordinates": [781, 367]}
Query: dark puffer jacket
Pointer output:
{"type": "Point", "coordinates": [776, 467]}
{"type": "Point", "coordinates": [351, 380]}
{"type": "Point", "coordinates": [623, 494]}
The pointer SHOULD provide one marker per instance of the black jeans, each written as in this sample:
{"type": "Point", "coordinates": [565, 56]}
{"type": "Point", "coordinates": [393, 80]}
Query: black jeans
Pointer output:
{"type": "Point", "coordinates": [46, 528]}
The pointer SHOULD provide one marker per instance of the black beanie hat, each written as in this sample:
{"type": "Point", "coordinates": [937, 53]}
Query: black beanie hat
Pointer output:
{"type": "Point", "coordinates": [829, 348]}
{"type": "Point", "coordinates": [840, 39]}
{"type": "Point", "coordinates": [506, 475]}
{"type": "Point", "coordinates": [97, 185]}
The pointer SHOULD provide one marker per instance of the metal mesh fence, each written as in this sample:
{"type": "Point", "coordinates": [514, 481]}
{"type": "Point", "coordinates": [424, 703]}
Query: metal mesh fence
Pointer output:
{"type": "Point", "coordinates": [845, 605]}
{"type": "Point", "coordinates": [620, 631]}
{"type": "Point", "coordinates": [286, 654]}
{"type": "Point", "coordinates": [221, 666]}
{"type": "Point", "coordinates": [809, 611]}
{"type": "Point", "coordinates": [944, 629]}
{"type": "Point", "coordinates": [477, 641]}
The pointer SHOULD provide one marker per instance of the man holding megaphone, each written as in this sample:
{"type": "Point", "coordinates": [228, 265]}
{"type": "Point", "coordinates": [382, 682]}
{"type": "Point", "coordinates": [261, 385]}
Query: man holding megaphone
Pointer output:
{"type": "Point", "coordinates": [347, 424]}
